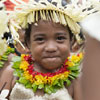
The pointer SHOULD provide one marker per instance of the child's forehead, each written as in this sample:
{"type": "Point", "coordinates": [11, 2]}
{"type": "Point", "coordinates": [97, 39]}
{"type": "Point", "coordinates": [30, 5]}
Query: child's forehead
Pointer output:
{"type": "Point", "coordinates": [50, 25]}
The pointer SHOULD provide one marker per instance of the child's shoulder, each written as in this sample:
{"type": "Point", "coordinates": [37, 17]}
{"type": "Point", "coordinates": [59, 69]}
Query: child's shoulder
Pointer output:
{"type": "Point", "coordinates": [75, 89]}
{"type": "Point", "coordinates": [6, 76]}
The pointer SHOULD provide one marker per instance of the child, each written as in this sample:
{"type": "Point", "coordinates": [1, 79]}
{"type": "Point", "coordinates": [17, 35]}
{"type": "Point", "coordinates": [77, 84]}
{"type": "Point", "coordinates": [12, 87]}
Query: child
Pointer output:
{"type": "Point", "coordinates": [51, 27]}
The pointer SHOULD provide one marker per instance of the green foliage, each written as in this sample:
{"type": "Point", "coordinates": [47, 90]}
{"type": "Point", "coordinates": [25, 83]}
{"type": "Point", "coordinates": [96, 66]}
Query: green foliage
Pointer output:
{"type": "Point", "coordinates": [28, 85]}
{"type": "Point", "coordinates": [34, 86]}
{"type": "Point", "coordinates": [4, 57]}
{"type": "Point", "coordinates": [74, 68]}
{"type": "Point", "coordinates": [18, 72]}
{"type": "Point", "coordinates": [1, 64]}
{"type": "Point", "coordinates": [41, 86]}
{"type": "Point", "coordinates": [16, 65]}
{"type": "Point", "coordinates": [23, 80]}
{"type": "Point", "coordinates": [68, 82]}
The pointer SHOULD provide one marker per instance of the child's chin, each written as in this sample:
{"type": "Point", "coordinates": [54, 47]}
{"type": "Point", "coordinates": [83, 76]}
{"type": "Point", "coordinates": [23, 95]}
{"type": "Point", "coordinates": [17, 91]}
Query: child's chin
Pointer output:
{"type": "Point", "coordinates": [51, 63]}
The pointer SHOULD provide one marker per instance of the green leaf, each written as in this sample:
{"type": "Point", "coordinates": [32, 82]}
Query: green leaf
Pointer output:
{"type": "Point", "coordinates": [55, 82]}
{"type": "Point", "coordinates": [4, 58]}
{"type": "Point", "coordinates": [61, 83]}
{"type": "Point", "coordinates": [17, 81]}
{"type": "Point", "coordinates": [23, 80]}
{"type": "Point", "coordinates": [34, 86]}
{"type": "Point", "coordinates": [7, 53]}
{"type": "Point", "coordinates": [28, 85]}
{"type": "Point", "coordinates": [68, 82]}
{"type": "Point", "coordinates": [18, 72]}
{"type": "Point", "coordinates": [48, 89]}
{"type": "Point", "coordinates": [58, 83]}
{"type": "Point", "coordinates": [1, 62]}
{"type": "Point", "coordinates": [12, 50]}
{"type": "Point", "coordinates": [71, 77]}
{"type": "Point", "coordinates": [16, 59]}
{"type": "Point", "coordinates": [54, 89]}
{"type": "Point", "coordinates": [73, 68]}
{"type": "Point", "coordinates": [41, 86]}
{"type": "Point", "coordinates": [1, 66]}
{"type": "Point", "coordinates": [74, 74]}
{"type": "Point", "coordinates": [16, 65]}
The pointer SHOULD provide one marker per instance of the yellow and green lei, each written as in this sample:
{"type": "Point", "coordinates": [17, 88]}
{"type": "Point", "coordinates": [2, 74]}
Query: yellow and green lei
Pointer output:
{"type": "Point", "coordinates": [49, 82]}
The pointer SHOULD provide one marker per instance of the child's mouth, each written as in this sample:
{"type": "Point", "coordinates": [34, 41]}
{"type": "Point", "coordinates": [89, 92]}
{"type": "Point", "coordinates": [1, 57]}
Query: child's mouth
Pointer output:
{"type": "Point", "coordinates": [52, 59]}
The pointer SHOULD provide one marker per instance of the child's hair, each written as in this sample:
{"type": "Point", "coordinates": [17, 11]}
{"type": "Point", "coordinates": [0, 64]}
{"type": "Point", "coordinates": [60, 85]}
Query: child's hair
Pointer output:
{"type": "Point", "coordinates": [28, 33]}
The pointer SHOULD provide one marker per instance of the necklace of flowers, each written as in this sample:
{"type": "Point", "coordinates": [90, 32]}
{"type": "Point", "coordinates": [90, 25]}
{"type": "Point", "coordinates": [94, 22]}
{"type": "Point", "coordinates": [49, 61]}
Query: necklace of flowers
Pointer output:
{"type": "Point", "coordinates": [49, 82]}
{"type": "Point", "coordinates": [4, 57]}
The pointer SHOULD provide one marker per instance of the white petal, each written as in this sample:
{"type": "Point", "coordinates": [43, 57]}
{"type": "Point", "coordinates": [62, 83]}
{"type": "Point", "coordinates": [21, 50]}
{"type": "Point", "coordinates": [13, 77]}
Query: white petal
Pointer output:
{"type": "Point", "coordinates": [4, 93]}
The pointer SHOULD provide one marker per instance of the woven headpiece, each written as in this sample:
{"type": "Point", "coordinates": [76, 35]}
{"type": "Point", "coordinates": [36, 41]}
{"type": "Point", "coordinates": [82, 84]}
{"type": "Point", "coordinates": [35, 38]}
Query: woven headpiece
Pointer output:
{"type": "Point", "coordinates": [56, 10]}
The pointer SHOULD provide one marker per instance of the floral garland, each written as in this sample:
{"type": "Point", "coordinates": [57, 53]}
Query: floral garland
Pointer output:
{"type": "Point", "coordinates": [4, 57]}
{"type": "Point", "coordinates": [50, 82]}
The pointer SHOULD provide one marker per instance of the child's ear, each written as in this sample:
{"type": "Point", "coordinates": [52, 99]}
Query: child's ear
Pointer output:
{"type": "Point", "coordinates": [75, 47]}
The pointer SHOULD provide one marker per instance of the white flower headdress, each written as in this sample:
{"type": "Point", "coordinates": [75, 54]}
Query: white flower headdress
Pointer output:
{"type": "Point", "coordinates": [3, 18]}
{"type": "Point", "coordinates": [3, 28]}
{"type": "Point", "coordinates": [57, 11]}
{"type": "Point", "coordinates": [3, 22]}
{"type": "Point", "coordinates": [1, 4]}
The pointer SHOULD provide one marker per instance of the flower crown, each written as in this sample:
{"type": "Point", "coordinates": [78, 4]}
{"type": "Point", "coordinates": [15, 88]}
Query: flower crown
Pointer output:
{"type": "Point", "coordinates": [3, 28]}
{"type": "Point", "coordinates": [3, 19]}
{"type": "Point", "coordinates": [56, 10]}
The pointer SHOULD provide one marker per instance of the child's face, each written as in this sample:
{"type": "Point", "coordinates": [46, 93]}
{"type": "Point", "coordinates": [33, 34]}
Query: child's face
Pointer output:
{"type": "Point", "coordinates": [49, 44]}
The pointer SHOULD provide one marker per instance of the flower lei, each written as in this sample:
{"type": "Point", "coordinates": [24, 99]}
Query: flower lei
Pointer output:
{"type": "Point", "coordinates": [49, 82]}
{"type": "Point", "coordinates": [4, 57]}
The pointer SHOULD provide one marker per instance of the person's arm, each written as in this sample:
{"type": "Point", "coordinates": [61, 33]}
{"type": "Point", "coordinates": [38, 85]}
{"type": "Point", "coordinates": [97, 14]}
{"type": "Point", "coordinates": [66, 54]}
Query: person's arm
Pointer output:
{"type": "Point", "coordinates": [77, 89]}
{"type": "Point", "coordinates": [91, 70]}
{"type": "Point", "coordinates": [6, 81]}
{"type": "Point", "coordinates": [70, 89]}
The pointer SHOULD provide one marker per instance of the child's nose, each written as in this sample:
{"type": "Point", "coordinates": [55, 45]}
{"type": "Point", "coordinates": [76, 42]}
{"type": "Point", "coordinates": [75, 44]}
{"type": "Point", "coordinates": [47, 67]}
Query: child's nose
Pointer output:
{"type": "Point", "coordinates": [51, 47]}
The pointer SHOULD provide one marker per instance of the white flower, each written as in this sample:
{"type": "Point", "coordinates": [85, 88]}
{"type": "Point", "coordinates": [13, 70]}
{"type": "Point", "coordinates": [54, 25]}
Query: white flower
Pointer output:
{"type": "Point", "coordinates": [1, 3]}
{"type": "Point", "coordinates": [3, 22]}
{"type": "Point", "coordinates": [4, 94]}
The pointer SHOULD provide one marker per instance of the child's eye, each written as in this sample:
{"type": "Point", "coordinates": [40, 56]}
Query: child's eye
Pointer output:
{"type": "Point", "coordinates": [39, 39]}
{"type": "Point", "coordinates": [61, 38]}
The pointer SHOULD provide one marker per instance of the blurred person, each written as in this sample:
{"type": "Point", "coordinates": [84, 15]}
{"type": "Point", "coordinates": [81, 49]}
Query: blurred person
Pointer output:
{"type": "Point", "coordinates": [90, 82]}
